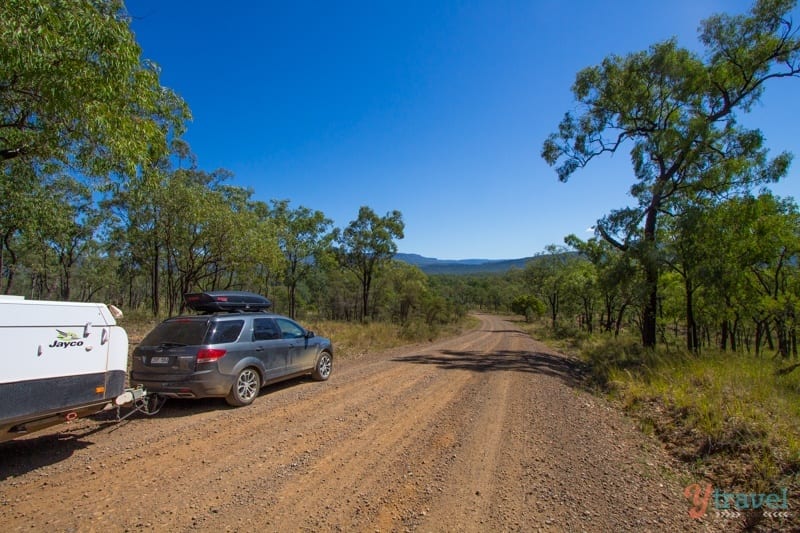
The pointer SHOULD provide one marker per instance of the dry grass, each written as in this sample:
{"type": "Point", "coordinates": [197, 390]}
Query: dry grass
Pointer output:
{"type": "Point", "coordinates": [352, 339]}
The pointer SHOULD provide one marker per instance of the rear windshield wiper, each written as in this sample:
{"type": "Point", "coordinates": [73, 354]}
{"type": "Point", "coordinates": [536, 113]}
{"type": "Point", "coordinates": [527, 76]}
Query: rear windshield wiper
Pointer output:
{"type": "Point", "coordinates": [167, 345]}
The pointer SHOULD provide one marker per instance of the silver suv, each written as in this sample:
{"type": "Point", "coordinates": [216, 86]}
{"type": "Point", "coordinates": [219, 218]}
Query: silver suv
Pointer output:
{"type": "Point", "coordinates": [231, 351]}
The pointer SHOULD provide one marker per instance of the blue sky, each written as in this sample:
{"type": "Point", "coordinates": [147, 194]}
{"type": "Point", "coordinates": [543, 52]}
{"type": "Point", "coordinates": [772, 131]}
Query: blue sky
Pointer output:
{"type": "Point", "coordinates": [436, 108]}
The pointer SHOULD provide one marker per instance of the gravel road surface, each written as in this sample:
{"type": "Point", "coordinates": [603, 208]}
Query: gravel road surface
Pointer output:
{"type": "Point", "coordinates": [489, 431]}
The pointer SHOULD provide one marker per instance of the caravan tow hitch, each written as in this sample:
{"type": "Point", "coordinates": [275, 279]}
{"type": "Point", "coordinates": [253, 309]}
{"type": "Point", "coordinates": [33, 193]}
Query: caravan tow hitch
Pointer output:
{"type": "Point", "coordinates": [139, 401]}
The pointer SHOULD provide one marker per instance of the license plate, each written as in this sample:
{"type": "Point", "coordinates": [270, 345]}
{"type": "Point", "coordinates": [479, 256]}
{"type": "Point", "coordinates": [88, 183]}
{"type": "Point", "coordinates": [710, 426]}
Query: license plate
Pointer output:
{"type": "Point", "coordinates": [159, 360]}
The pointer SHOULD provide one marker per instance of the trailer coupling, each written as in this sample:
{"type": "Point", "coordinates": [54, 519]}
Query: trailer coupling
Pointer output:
{"type": "Point", "coordinates": [139, 401]}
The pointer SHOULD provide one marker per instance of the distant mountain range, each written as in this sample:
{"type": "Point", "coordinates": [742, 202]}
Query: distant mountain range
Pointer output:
{"type": "Point", "coordinates": [430, 265]}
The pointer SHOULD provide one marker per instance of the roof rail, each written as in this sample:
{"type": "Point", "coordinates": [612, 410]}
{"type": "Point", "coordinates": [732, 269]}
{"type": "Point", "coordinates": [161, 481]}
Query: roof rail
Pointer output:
{"type": "Point", "coordinates": [226, 301]}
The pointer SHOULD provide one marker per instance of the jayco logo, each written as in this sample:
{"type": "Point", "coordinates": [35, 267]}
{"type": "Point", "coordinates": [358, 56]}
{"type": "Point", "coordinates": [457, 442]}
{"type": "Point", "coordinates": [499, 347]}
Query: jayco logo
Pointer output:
{"type": "Point", "coordinates": [66, 339]}
{"type": "Point", "coordinates": [731, 503]}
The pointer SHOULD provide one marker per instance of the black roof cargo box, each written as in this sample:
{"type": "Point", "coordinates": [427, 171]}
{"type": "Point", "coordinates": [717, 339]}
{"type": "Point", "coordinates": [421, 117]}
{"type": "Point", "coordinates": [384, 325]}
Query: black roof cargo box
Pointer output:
{"type": "Point", "coordinates": [230, 301]}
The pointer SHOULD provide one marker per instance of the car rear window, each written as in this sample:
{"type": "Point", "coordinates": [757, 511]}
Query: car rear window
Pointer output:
{"type": "Point", "coordinates": [186, 332]}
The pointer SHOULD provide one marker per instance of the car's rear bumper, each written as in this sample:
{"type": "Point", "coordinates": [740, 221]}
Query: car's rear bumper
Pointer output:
{"type": "Point", "coordinates": [198, 385]}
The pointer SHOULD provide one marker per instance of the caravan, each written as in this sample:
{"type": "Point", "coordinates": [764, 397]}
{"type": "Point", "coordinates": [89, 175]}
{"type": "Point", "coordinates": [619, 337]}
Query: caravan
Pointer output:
{"type": "Point", "coordinates": [58, 361]}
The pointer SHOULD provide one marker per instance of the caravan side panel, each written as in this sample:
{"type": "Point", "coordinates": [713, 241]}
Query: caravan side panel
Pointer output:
{"type": "Point", "coordinates": [57, 356]}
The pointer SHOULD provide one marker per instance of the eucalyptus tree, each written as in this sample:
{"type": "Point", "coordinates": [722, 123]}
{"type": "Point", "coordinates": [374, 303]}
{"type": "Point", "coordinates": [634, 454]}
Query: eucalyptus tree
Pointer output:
{"type": "Point", "coordinates": [21, 196]}
{"type": "Point", "coordinates": [772, 263]}
{"type": "Point", "coordinates": [528, 306]}
{"type": "Point", "coordinates": [258, 259]}
{"type": "Point", "coordinates": [302, 234]}
{"type": "Point", "coordinates": [75, 90]}
{"type": "Point", "coordinates": [201, 232]}
{"type": "Point", "coordinates": [616, 278]}
{"type": "Point", "coordinates": [405, 288]}
{"type": "Point", "coordinates": [582, 284]}
{"type": "Point", "coordinates": [366, 245]}
{"type": "Point", "coordinates": [726, 232]}
{"type": "Point", "coordinates": [687, 246]}
{"type": "Point", "coordinates": [334, 292]}
{"type": "Point", "coordinates": [47, 222]}
{"type": "Point", "coordinates": [546, 277]}
{"type": "Point", "coordinates": [70, 229]}
{"type": "Point", "coordinates": [676, 112]}
{"type": "Point", "coordinates": [703, 248]}
{"type": "Point", "coordinates": [136, 208]}
{"type": "Point", "coordinates": [98, 277]}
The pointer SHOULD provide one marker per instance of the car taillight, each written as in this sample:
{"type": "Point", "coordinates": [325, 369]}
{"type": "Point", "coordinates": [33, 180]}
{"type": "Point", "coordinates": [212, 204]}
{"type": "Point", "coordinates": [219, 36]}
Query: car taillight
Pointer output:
{"type": "Point", "coordinates": [209, 355]}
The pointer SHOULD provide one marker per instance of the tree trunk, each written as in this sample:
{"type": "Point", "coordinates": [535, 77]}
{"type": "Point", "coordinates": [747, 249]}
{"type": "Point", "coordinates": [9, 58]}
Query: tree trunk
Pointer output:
{"type": "Point", "coordinates": [692, 342]}
{"type": "Point", "coordinates": [768, 333]}
{"type": "Point", "coordinates": [8, 268]}
{"type": "Point", "coordinates": [588, 313]}
{"type": "Point", "coordinates": [290, 293]}
{"type": "Point", "coordinates": [757, 341]}
{"type": "Point", "coordinates": [734, 333]}
{"type": "Point", "coordinates": [723, 341]}
{"type": "Point", "coordinates": [553, 299]}
{"type": "Point", "coordinates": [66, 290]}
{"type": "Point", "coordinates": [609, 318]}
{"type": "Point", "coordinates": [650, 276]}
{"type": "Point", "coordinates": [155, 294]}
{"type": "Point", "coordinates": [783, 337]}
{"type": "Point", "coordinates": [365, 288]}
{"type": "Point", "coordinates": [620, 316]}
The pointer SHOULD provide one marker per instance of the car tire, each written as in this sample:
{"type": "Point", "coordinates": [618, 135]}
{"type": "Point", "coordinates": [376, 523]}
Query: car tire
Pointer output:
{"type": "Point", "coordinates": [324, 367]}
{"type": "Point", "coordinates": [245, 388]}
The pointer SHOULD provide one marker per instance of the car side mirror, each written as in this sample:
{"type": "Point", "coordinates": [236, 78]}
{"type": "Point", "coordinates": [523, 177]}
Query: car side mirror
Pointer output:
{"type": "Point", "coordinates": [309, 334]}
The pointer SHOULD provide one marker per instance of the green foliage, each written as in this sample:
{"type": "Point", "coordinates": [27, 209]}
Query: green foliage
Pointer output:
{"type": "Point", "coordinates": [75, 90]}
{"type": "Point", "coordinates": [366, 244]}
{"type": "Point", "coordinates": [20, 194]}
{"type": "Point", "coordinates": [405, 291]}
{"type": "Point", "coordinates": [552, 277]}
{"type": "Point", "coordinates": [302, 236]}
{"type": "Point", "coordinates": [528, 306]}
{"type": "Point", "coordinates": [734, 413]}
{"type": "Point", "coordinates": [676, 113]}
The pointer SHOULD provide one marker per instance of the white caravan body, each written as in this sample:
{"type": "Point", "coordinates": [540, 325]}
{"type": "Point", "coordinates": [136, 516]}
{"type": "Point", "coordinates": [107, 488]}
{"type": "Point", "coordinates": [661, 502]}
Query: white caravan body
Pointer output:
{"type": "Point", "coordinates": [58, 361]}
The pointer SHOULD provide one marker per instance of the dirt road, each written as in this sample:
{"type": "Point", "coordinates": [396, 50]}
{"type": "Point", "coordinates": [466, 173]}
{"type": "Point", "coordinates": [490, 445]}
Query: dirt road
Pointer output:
{"type": "Point", "coordinates": [485, 432]}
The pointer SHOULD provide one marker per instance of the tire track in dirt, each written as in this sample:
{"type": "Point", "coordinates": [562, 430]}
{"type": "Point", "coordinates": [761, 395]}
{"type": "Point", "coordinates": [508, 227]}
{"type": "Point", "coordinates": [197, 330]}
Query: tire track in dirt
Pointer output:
{"type": "Point", "coordinates": [188, 455]}
{"type": "Point", "coordinates": [191, 456]}
{"type": "Point", "coordinates": [483, 432]}
{"type": "Point", "coordinates": [380, 450]}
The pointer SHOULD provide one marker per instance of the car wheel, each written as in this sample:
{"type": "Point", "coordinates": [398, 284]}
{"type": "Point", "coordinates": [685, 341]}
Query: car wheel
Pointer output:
{"type": "Point", "coordinates": [245, 389]}
{"type": "Point", "coordinates": [324, 367]}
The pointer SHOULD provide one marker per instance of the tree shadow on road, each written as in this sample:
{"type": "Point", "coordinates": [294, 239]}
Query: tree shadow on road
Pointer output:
{"type": "Point", "coordinates": [571, 371]}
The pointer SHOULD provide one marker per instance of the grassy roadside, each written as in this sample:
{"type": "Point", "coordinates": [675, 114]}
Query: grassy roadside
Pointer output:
{"type": "Point", "coordinates": [352, 339]}
{"type": "Point", "coordinates": [733, 419]}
